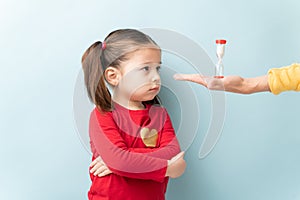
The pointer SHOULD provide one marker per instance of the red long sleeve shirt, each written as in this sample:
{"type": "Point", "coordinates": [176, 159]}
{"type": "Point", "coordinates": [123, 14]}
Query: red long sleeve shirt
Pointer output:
{"type": "Point", "coordinates": [138, 164]}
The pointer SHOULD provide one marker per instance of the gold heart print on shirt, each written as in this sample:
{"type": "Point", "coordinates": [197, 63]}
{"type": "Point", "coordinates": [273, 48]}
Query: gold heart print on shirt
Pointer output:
{"type": "Point", "coordinates": [149, 137]}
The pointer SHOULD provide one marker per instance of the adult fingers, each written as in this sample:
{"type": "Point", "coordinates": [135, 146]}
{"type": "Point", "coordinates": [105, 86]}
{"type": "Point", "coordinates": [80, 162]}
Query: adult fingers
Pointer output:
{"type": "Point", "coordinates": [197, 78]}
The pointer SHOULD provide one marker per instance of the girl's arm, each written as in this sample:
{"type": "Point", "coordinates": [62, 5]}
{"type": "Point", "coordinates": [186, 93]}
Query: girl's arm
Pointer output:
{"type": "Point", "coordinates": [168, 145]}
{"type": "Point", "coordinates": [176, 167]}
{"type": "Point", "coordinates": [167, 148]}
{"type": "Point", "coordinates": [108, 143]}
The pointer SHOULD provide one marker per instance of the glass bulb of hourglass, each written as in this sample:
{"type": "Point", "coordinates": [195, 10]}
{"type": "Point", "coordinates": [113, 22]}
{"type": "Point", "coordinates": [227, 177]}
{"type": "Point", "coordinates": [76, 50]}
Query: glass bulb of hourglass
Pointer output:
{"type": "Point", "coordinates": [219, 68]}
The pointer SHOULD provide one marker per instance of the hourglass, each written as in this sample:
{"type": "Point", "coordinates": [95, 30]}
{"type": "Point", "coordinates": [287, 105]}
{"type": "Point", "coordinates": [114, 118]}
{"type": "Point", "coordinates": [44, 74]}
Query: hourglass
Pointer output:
{"type": "Point", "coordinates": [219, 73]}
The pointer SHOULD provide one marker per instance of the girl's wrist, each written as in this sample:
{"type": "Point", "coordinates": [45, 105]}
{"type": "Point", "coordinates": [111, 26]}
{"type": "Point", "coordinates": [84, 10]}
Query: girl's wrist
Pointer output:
{"type": "Point", "coordinates": [168, 168]}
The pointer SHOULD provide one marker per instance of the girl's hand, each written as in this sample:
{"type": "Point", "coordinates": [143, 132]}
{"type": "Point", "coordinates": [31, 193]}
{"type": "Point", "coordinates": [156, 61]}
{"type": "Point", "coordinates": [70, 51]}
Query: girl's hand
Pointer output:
{"type": "Point", "coordinates": [176, 166]}
{"type": "Point", "coordinates": [99, 168]}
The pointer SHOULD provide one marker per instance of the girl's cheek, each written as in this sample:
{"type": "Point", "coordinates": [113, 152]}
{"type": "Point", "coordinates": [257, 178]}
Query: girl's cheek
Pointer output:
{"type": "Point", "coordinates": [134, 80]}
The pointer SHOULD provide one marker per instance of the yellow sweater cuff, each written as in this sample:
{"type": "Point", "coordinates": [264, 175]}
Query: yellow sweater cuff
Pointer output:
{"type": "Point", "coordinates": [284, 79]}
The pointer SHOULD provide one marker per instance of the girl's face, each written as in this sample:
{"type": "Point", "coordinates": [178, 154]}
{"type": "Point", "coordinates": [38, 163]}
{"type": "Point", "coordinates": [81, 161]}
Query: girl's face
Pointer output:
{"type": "Point", "coordinates": [139, 78]}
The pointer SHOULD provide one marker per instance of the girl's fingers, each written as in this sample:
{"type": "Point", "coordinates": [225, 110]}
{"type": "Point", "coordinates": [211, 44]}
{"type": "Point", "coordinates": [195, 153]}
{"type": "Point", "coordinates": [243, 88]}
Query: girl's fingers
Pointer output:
{"type": "Point", "coordinates": [95, 167]}
{"type": "Point", "coordinates": [104, 173]}
{"type": "Point", "coordinates": [181, 154]}
{"type": "Point", "coordinates": [100, 170]}
{"type": "Point", "coordinates": [93, 163]}
{"type": "Point", "coordinates": [97, 160]}
{"type": "Point", "coordinates": [175, 158]}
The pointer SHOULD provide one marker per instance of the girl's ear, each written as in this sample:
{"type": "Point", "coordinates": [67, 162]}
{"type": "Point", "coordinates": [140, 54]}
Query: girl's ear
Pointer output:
{"type": "Point", "coordinates": [112, 75]}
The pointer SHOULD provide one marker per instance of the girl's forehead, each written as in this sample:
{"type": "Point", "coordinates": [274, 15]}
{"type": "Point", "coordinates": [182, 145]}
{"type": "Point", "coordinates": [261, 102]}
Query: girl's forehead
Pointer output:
{"type": "Point", "coordinates": [140, 58]}
{"type": "Point", "coordinates": [145, 55]}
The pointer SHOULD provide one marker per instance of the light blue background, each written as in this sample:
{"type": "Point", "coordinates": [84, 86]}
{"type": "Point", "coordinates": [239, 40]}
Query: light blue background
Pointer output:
{"type": "Point", "coordinates": [257, 157]}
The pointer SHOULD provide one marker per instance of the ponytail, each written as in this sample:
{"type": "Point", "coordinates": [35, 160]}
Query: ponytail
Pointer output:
{"type": "Point", "coordinates": [93, 70]}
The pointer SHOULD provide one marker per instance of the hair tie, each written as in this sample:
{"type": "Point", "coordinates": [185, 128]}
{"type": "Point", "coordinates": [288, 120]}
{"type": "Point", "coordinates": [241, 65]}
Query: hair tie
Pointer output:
{"type": "Point", "coordinates": [103, 45]}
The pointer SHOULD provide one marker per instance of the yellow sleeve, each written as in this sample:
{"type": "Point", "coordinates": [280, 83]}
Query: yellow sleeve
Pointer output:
{"type": "Point", "coordinates": [284, 79]}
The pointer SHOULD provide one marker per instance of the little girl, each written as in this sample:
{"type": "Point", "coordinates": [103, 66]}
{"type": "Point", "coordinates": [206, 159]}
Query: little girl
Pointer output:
{"type": "Point", "coordinates": [132, 139]}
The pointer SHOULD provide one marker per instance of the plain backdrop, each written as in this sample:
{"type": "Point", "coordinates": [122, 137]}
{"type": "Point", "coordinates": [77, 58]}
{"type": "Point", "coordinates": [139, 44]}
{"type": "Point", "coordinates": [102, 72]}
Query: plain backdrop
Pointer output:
{"type": "Point", "coordinates": [41, 44]}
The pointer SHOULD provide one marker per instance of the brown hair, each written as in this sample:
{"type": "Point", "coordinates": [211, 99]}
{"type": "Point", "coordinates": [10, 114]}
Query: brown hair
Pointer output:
{"type": "Point", "coordinates": [96, 59]}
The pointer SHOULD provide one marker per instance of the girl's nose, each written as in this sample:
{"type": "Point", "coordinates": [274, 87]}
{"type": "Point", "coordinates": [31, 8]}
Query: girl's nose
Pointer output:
{"type": "Point", "coordinates": [156, 77]}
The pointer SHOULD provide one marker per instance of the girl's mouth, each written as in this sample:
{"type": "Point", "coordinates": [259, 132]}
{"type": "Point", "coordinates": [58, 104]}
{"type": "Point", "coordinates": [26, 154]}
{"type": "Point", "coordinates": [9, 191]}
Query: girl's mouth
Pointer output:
{"type": "Point", "coordinates": [155, 88]}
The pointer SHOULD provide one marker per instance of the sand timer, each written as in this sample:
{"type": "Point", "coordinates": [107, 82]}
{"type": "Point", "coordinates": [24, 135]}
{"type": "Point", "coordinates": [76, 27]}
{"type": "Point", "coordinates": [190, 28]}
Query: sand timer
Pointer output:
{"type": "Point", "coordinates": [219, 73]}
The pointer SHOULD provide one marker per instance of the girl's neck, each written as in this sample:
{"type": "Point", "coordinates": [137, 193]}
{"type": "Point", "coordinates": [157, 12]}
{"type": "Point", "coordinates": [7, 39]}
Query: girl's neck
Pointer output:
{"type": "Point", "coordinates": [130, 105]}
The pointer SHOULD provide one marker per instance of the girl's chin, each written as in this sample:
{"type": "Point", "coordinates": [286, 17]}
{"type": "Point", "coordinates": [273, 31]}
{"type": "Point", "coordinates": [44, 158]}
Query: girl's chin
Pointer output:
{"type": "Point", "coordinates": [144, 99]}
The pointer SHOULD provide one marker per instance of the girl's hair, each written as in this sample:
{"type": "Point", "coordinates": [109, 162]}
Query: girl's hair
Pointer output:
{"type": "Point", "coordinates": [111, 52]}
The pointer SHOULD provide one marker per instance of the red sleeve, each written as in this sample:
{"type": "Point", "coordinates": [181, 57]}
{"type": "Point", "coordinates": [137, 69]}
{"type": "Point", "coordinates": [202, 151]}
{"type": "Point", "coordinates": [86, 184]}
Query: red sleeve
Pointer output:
{"type": "Point", "coordinates": [168, 146]}
{"type": "Point", "coordinates": [109, 144]}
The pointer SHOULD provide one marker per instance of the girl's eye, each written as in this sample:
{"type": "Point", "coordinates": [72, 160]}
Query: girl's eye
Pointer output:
{"type": "Point", "coordinates": [146, 68]}
{"type": "Point", "coordinates": [158, 68]}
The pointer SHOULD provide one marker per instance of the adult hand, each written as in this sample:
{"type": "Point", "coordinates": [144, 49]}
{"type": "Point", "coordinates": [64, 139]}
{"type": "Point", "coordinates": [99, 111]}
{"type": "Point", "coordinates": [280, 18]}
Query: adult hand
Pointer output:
{"type": "Point", "coordinates": [234, 84]}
